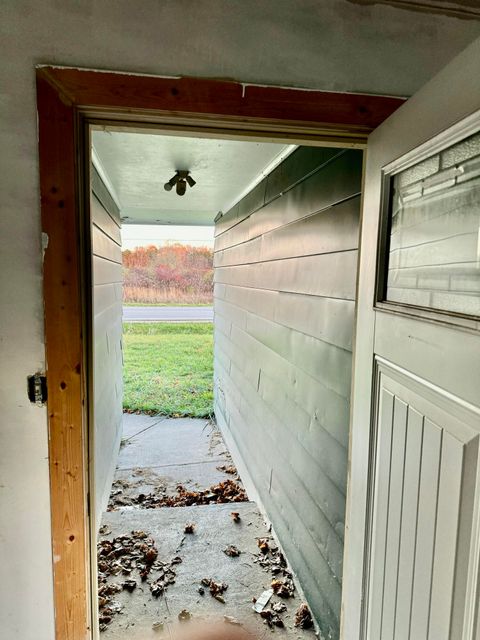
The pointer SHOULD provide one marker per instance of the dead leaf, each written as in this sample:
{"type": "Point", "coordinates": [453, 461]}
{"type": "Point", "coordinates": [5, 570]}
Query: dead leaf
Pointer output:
{"type": "Point", "coordinates": [216, 588]}
{"type": "Point", "coordinates": [232, 551]}
{"type": "Point", "coordinates": [230, 469]}
{"type": "Point", "coordinates": [129, 585]}
{"type": "Point", "coordinates": [263, 545]}
{"type": "Point", "coordinates": [184, 615]}
{"type": "Point", "coordinates": [189, 528]}
{"type": "Point", "coordinates": [283, 588]}
{"type": "Point", "coordinates": [271, 618]}
{"type": "Point", "coordinates": [303, 617]}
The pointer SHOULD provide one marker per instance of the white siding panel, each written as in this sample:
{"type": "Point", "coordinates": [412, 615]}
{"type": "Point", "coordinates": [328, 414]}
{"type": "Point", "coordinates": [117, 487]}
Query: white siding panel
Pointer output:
{"type": "Point", "coordinates": [284, 292]}
{"type": "Point", "coordinates": [107, 339]}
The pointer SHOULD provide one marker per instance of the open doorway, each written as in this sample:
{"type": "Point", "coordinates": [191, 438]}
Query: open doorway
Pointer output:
{"type": "Point", "coordinates": [180, 533]}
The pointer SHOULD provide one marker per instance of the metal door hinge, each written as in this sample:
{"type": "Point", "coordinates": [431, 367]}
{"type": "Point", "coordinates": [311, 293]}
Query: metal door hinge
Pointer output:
{"type": "Point", "coordinates": [37, 389]}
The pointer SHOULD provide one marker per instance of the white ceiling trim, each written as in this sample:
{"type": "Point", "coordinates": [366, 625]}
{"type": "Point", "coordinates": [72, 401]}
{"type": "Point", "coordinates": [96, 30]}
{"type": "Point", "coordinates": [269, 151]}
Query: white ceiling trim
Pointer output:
{"type": "Point", "coordinates": [97, 163]}
{"type": "Point", "coordinates": [263, 174]}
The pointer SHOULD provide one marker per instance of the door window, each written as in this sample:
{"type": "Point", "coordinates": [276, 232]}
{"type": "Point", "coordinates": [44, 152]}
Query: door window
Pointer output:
{"type": "Point", "coordinates": [433, 236]}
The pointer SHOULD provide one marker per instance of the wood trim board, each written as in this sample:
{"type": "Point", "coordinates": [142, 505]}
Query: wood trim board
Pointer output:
{"type": "Point", "coordinates": [64, 97]}
{"type": "Point", "coordinates": [65, 362]}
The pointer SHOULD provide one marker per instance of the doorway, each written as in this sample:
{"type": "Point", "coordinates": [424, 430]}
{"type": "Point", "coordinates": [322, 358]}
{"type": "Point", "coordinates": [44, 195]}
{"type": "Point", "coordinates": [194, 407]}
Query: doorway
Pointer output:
{"type": "Point", "coordinates": [333, 120]}
{"type": "Point", "coordinates": [286, 242]}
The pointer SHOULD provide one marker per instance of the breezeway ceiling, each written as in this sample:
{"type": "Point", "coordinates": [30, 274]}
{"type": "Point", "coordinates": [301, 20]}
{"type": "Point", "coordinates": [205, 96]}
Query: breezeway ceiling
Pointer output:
{"type": "Point", "coordinates": [135, 166]}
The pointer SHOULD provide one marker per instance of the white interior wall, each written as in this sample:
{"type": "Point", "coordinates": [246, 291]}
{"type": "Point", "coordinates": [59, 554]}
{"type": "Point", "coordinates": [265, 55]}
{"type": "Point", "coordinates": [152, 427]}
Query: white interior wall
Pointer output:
{"type": "Point", "coordinates": [332, 45]}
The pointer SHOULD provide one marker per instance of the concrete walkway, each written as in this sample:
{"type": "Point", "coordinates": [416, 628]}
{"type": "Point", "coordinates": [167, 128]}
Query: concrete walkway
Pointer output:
{"type": "Point", "coordinates": [162, 453]}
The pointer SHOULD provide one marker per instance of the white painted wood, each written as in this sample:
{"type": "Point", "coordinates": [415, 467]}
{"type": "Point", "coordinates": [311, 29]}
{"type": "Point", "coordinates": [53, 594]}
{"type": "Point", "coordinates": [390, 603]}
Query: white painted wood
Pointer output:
{"type": "Point", "coordinates": [433, 364]}
{"type": "Point", "coordinates": [379, 539]}
{"type": "Point", "coordinates": [426, 523]}
{"type": "Point", "coordinates": [449, 492]}
{"type": "Point", "coordinates": [423, 536]}
{"type": "Point", "coordinates": [408, 528]}
{"type": "Point", "coordinates": [395, 514]}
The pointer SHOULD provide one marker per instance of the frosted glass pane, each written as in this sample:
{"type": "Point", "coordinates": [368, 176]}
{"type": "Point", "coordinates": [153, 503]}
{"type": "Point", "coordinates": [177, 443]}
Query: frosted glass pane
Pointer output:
{"type": "Point", "coordinates": [434, 244]}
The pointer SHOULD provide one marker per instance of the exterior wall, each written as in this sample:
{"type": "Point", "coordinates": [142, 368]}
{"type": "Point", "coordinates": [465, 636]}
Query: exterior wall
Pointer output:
{"type": "Point", "coordinates": [107, 340]}
{"type": "Point", "coordinates": [222, 42]}
{"type": "Point", "coordinates": [285, 277]}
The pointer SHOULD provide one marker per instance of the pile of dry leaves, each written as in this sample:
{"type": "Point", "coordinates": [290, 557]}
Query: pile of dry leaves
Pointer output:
{"type": "Point", "coordinates": [130, 557]}
{"type": "Point", "coordinates": [228, 468]}
{"type": "Point", "coordinates": [271, 558]}
{"type": "Point", "coordinates": [273, 561]}
{"type": "Point", "coordinates": [226, 491]}
{"type": "Point", "coordinates": [216, 589]}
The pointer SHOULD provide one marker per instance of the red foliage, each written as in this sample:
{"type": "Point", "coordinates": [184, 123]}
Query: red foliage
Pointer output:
{"type": "Point", "coordinates": [173, 273]}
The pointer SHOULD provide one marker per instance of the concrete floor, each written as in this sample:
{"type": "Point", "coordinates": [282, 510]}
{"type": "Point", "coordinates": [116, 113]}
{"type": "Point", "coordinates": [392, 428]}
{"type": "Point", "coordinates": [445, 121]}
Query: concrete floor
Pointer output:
{"type": "Point", "coordinates": [165, 452]}
{"type": "Point", "coordinates": [168, 452]}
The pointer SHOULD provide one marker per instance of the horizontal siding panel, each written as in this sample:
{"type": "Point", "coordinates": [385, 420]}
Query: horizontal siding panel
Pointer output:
{"type": "Point", "coordinates": [328, 364]}
{"type": "Point", "coordinates": [302, 162]}
{"type": "Point", "coordinates": [104, 221]}
{"type": "Point", "coordinates": [327, 319]}
{"type": "Point", "coordinates": [312, 531]}
{"type": "Point", "coordinates": [106, 295]}
{"type": "Point", "coordinates": [108, 322]}
{"type": "Point", "coordinates": [309, 575]}
{"type": "Point", "coordinates": [332, 275]}
{"type": "Point", "coordinates": [284, 303]}
{"type": "Point", "coordinates": [281, 442]}
{"type": "Point", "coordinates": [104, 247]}
{"type": "Point", "coordinates": [323, 190]}
{"type": "Point", "coordinates": [323, 405]}
{"type": "Point", "coordinates": [107, 338]}
{"type": "Point", "coordinates": [106, 271]}
{"type": "Point", "coordinates": [331, 230]}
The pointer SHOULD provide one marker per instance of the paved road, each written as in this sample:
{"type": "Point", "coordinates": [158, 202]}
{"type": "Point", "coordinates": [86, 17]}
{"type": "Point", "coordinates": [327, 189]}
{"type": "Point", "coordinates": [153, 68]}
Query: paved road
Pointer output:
{"type": "Point", "coordinates": [168, 314]}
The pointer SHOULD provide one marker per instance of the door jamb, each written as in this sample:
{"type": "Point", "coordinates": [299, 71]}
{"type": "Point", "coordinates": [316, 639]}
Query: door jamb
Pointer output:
{"type": "Point", "coordinates": [66, 98]}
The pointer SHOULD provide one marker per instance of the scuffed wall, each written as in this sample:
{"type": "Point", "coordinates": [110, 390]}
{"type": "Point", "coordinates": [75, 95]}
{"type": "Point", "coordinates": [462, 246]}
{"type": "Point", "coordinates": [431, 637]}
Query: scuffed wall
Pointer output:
{"type": "Point", "coordinates": [285, 276]}
{"type": "Point", "coordinates": [107, 340]}
{"type": "Point", "coordinates": [329, 45]}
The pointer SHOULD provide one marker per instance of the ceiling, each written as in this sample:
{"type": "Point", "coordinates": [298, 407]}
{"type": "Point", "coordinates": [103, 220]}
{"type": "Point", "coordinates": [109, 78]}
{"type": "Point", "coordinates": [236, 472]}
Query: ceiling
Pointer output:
{"type": "Point", "coordinates": [134, 166]}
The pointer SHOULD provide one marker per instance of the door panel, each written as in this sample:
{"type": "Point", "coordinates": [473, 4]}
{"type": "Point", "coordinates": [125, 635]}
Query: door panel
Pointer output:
{"type": "Point", "coordinates": [426, 476]}
{"type": "Point", "coordinates": [438, 353]}
{"type": "Point", "coordinates": [411, 569]}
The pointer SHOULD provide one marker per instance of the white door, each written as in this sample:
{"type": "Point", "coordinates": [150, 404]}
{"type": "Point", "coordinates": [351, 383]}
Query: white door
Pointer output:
{"type": "Point", "coordinates": [411, 567]}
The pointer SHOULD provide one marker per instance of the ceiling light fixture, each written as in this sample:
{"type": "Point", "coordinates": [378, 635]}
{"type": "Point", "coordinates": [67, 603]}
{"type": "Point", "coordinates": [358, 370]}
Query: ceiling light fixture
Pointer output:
{"type": "Point", "coordinates": [179, 181]}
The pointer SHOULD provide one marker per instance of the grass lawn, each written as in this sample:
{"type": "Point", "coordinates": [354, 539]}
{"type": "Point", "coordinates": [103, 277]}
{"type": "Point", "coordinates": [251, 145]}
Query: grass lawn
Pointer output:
{"type": "Point", "coordinates": [168, 368]}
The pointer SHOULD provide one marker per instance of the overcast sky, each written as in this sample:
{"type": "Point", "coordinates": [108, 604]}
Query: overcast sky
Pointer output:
{"type": "Point", "coordinates": [139, 235]}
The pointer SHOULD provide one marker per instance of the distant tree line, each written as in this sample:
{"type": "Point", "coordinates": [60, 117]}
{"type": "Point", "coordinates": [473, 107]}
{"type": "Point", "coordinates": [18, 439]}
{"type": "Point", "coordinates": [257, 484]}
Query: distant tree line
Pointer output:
{"type": "Point", "coordinates": [172, 273]}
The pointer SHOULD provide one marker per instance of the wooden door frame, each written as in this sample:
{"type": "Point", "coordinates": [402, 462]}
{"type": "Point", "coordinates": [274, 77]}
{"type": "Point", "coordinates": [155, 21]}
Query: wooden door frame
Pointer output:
{"type": "Point", "coordinates": [66, 99]}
